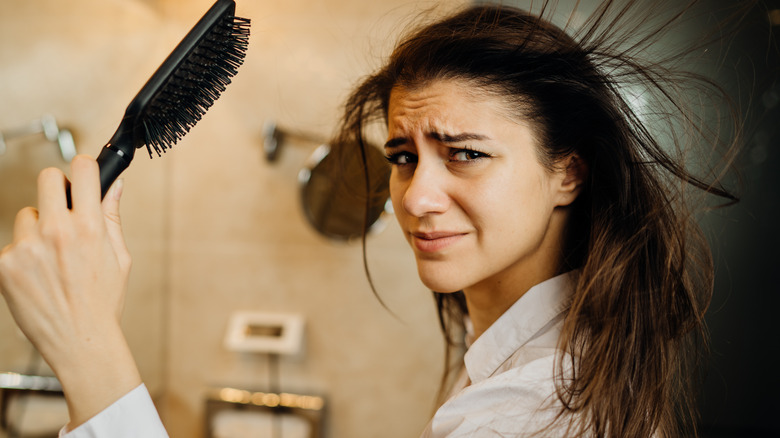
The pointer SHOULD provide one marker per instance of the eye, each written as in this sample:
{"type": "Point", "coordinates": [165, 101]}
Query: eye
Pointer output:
{"type": "Point", "coordinates": [401, 158]}
{"type": "Point", "coordinates": [467, 155]}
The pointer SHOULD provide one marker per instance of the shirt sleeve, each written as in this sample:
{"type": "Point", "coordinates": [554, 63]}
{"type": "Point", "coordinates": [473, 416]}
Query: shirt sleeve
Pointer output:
{"type": "Point", "coordinates": [132, 416]}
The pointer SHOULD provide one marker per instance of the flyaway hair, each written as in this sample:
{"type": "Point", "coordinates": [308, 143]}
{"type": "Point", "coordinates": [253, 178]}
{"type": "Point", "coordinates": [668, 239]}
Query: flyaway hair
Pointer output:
{"type": "Point", "coordinates": [616, 89]}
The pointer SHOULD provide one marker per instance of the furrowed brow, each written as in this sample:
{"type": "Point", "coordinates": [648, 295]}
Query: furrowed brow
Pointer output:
{"type": "Point", "coordinates": [457, 138]}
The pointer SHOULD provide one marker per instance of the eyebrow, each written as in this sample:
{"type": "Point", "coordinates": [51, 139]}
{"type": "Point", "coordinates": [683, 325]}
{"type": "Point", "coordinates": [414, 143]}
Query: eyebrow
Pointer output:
{"type": "Point", "coordinates": [395, 142]}
{"type": "Point", "coordinates": [440, 137]}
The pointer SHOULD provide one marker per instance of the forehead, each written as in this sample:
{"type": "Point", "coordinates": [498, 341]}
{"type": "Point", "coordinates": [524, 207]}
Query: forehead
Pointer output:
{"type": "Point", "coordinates": [445, 105]}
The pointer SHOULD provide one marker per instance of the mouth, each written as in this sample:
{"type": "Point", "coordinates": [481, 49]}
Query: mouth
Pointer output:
{"type": "Point", "coordinates": [435, 241]}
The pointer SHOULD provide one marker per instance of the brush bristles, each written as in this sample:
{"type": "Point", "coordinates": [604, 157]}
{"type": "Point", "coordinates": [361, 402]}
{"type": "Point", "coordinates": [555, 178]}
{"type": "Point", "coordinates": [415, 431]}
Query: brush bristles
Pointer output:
{"type": "Point", "coordinates": [196, 84]}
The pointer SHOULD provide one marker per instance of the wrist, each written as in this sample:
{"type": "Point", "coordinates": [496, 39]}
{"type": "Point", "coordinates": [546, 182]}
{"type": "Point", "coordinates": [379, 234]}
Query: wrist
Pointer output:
{"type": "Point", "coordinates": [95, 375]}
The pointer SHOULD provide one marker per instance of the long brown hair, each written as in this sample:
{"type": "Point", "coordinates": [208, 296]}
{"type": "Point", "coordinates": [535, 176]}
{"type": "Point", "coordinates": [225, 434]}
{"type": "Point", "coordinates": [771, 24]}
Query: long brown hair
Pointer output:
{"type": "Point", "coordinates": [635, 324]}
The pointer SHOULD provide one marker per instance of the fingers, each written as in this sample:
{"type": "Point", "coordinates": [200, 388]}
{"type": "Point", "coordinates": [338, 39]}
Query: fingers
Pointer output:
{"type": "Point", "coordinates": [111, 201]}
{"type": "Point", "coordinates": [51, 192]}
{"type": "Point", "coordinates": [85, 184]}
{"type": "Point", "coordinates": [26, 223]}
{"type": "Point", "coordinates": [85, 188]}
{"type": "Point", "coordinates": [113, 222]}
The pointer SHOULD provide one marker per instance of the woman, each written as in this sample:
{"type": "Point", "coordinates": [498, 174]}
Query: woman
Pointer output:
{"type": "Point", "coordinates": [540, 205]}
{"type": "Point", "coordinates": [549, 221]}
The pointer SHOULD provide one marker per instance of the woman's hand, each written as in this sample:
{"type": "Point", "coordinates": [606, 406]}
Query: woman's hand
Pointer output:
{"type": "Point", "coordinates": [64, 279]}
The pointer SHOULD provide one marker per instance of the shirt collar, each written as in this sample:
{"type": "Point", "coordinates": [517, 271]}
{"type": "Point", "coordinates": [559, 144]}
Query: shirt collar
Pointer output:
{"type": "Point", "coordinates": [519, 324]}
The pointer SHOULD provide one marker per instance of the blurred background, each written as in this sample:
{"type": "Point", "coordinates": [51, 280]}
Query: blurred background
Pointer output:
{"type": "Point", "coordinates": [215, 227]}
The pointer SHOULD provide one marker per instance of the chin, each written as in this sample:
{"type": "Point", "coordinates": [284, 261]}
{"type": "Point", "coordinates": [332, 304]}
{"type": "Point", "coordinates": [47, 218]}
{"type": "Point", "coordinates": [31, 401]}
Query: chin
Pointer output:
{"type": "Point", "coordinates": [441, 282]}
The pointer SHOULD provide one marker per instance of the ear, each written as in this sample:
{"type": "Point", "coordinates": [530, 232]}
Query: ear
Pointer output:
{"type": "Point", "coordinates": [574, 172]}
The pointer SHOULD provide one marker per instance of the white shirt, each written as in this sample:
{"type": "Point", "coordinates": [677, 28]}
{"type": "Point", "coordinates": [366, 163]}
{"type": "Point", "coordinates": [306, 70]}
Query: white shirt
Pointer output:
{"type": "Point", "coordinates": [132, 416]}
{"type": "Point", "coordinates": [510, 368]}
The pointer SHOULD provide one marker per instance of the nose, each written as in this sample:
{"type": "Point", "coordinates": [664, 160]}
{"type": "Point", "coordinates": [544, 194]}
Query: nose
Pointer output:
{"type": "Point", "coordinates": [426, 192]}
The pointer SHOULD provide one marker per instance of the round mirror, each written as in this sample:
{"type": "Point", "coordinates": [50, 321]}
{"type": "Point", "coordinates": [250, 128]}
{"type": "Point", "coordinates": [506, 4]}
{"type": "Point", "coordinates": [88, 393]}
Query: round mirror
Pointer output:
{"type": "Point", "coordinates": [334, 195]}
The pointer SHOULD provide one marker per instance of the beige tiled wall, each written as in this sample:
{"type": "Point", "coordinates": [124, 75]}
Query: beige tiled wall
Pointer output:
{"type": "Point", "coordinates": [213, 227]}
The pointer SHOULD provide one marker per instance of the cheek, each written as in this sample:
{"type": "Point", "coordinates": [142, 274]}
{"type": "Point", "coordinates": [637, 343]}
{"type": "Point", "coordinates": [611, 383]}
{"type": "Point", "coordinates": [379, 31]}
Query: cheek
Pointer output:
{"type": "Point", "coordinates": [397, 190]}
{"type": "Point", "coordinates": [513, 205]}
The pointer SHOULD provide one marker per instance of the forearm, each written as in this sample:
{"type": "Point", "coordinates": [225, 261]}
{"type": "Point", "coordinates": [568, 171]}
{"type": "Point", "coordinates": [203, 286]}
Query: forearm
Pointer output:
{"type": "Point", "coordinates": [99, 373]}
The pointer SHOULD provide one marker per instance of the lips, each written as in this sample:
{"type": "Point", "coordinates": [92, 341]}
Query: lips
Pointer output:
{"type": "Point", "coordinates": [435, 240]}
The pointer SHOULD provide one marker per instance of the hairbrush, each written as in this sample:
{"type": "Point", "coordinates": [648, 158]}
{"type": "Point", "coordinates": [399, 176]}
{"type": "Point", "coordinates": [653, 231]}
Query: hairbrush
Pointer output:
{"type": "Point", "coordinates": [182, 89]}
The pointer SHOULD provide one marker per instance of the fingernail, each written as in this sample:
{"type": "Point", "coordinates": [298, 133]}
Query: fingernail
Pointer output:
{"type": "Point", "coordinates": [116, 191]}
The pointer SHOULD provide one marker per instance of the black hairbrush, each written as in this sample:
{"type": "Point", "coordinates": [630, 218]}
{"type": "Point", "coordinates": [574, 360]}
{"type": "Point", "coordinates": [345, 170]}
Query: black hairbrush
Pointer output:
{"type": "Point", "coordinates": [181, 90]}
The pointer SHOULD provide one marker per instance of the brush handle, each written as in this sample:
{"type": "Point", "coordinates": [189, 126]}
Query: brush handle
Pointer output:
{"type": "Point", "coordinates": [112, 162]}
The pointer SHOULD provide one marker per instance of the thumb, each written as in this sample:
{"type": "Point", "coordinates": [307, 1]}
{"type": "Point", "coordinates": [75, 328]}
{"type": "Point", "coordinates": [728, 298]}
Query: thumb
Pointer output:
{"type": "Point", "coordinates": [111, 213]}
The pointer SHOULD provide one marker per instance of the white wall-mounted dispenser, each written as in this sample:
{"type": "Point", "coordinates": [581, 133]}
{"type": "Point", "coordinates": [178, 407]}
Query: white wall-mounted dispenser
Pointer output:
{"type": "Point", "coordinates": [260, 332]}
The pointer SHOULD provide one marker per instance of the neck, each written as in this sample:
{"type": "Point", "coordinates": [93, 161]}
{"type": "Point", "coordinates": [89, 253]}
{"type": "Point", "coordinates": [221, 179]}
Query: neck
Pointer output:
{"type": "Point", "coordinates": [490, 298]}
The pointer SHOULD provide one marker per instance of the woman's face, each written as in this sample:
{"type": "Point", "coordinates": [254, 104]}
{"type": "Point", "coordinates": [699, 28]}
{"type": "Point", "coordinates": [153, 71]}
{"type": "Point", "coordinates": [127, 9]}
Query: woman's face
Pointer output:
{"type": "Point", "coordinates": [468, 191]}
